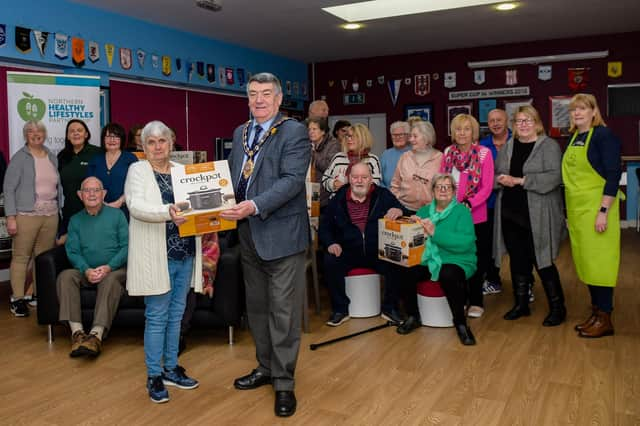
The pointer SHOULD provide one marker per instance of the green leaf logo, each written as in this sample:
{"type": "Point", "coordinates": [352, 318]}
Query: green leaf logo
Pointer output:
{"type": "Point", "coordinates": [31, 108]}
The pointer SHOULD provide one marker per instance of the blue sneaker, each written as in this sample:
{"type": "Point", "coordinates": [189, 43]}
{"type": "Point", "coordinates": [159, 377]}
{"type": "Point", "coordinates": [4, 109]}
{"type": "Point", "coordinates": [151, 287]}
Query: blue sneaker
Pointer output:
{"type": "Point", "coordinates": [157, 392]}
{"type": "Point", "coordinates": [177, 378]}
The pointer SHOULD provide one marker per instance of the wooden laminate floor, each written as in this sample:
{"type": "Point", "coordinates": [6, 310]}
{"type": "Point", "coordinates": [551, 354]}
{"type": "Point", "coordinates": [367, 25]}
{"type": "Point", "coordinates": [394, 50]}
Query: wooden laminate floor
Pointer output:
{"type": "Point", "coordinates": [520, 373]}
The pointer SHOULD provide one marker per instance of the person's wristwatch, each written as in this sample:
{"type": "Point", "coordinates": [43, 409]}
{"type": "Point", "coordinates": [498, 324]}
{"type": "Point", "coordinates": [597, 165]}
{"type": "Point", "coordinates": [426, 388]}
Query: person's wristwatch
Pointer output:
{"type": "Point", "coordinates": [603, 209]}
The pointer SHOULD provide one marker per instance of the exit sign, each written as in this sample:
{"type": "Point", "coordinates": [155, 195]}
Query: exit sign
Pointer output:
{"type": "Point", "coordinates": [353, 98]}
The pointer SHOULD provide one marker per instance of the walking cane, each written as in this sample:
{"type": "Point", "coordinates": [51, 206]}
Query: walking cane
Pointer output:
{"type": "Point", "coordinates": [315, 346]}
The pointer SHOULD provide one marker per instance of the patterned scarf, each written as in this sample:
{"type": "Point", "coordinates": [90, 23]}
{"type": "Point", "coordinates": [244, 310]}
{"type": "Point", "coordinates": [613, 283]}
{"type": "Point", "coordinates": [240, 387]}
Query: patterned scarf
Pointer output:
{"type": "Point", "coordinates": [469, 161]}
{"type": "Point", "coordinates": [431, 253]}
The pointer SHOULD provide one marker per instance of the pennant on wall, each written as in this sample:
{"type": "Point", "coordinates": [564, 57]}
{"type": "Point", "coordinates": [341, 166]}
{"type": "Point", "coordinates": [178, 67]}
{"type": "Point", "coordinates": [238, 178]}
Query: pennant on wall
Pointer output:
{"type": "Point", "coordinates": [229, 74]}
{"type": "Point", "coordinates": [407, 81]}
{"type": "Point", "coordinates": [240, 77]}
{"type": "Point", "coordinates": [304, 89]}
{"type": "Point", "coordinates": [41, 38]}
{"type": "Point", "coordinates": [200, 69]}
{"type": "Point", "coordinates": [380, 79]}
{"type": "Point", "coordinates": [125, 58]}
{"type": "Point", "coordinates": [511, 77]}
{"type": "Point", "coordinates": [422, 84]}
{"type": "Point", "coordinates": [394, 90]}
{"type": "Point", "coordinates": [344, 84]}
{"type": "Point", "coordinates": [544, 72]}
{"type": "Point", "coordinates": [222, 79]}
{"type": "Point", "coordinates": [355, 85]}
{"type": "Point", "coordinates": [578, 78]}
{"type": "Point", "coordinates": [178, 64]}
{"type": "Point", "coordinates": [94, 51]}
{"type": "Point", "coordinates": [62, 46]}
{"type": "Point", "coordinates": [109, 50]}
{"type": "Point", "coordinates": [3, 35]}
{"type": "Point", "coordinates": [614, 69]}
{"type": "Point", "coordinates": [479, 77]}
{"type": "Point", "coordinates": [141, 55]}
{"type": "Point", "coordinates": [166, 65]}
{"type": "Point", "coordinates": [449, 80]}
{"type": "Point", "coordinates": [155, 61]}
{"type": "Point", "coordinates": [296, 89]}
{"type": "Point", "coordinates": [287, 86]}
{"type": "Point", "coordinates": [211, 73]}
{"type": "Point", "coordinates": [189, 67]}
{"type": "Point", "coordinates": [369, 83]}
{"type": "Point", "coordinates": [23, 39]}
{"type": "Point", "coordinates": [77, 51]}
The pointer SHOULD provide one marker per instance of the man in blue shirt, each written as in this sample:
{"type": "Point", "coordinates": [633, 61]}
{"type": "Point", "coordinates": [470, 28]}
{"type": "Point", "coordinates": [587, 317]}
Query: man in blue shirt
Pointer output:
{"type": "Point", "coordinates": [389, 159]}
{"type": "Point", "coordinates": [97, 248]}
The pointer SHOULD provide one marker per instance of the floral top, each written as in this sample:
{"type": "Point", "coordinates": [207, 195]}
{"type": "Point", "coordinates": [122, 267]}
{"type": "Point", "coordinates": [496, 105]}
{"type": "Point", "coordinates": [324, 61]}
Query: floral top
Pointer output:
{"type": "Point", "coordinates": [178, 248]}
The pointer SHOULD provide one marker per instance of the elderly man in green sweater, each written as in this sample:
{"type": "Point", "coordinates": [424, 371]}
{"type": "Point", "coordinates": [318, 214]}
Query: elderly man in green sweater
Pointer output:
{"type": "Point", "coordinates": [97, 247]}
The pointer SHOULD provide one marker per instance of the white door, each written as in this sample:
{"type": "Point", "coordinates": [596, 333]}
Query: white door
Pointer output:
{"type": "Point", "coordinates": [377, 124]}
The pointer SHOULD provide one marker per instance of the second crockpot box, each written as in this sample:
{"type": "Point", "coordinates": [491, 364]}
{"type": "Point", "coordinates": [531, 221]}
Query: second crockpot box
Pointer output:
{"type": "Point", "coordinates": [400, 241]}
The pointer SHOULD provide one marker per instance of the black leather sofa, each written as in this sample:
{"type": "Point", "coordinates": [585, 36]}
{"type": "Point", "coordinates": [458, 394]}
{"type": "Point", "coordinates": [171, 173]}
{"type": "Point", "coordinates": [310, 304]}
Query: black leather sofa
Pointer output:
{"type": "Point", "coordinates": [223, 310]}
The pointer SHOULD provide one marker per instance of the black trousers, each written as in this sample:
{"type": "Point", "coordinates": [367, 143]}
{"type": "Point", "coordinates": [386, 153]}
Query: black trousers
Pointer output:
{"type": "Point", "coordinates": [452, 281]}
{"type": "Point", "coordinates": [483, 251]}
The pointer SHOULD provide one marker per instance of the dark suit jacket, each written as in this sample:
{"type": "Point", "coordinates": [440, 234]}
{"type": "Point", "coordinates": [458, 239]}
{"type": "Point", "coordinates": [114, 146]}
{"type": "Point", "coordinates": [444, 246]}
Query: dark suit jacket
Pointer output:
{"type": "Point", "coordinates": [277, 186]}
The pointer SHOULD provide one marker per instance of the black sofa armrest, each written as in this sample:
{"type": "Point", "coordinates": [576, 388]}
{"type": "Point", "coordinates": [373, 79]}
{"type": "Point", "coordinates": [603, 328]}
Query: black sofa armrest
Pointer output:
{"type": "Point", "coordinates": [47, 267]}
{"type": "Point", "coordinates": [228, 298]}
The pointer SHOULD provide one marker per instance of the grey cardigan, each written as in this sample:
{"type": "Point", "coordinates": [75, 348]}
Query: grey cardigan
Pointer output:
{"type": "Point", "coordinates": [20, 182]}
{"type": "Point", "coordinates": [543, 176]}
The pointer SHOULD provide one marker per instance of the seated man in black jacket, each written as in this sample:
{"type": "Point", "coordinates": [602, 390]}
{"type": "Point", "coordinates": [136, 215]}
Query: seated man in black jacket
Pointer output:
{"type": "Point", "coordinates": [349, 231]}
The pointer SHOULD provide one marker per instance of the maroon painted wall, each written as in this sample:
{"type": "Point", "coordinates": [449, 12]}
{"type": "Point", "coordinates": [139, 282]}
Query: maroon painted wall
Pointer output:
{"type": "Point", "coordinates": [622, 47]}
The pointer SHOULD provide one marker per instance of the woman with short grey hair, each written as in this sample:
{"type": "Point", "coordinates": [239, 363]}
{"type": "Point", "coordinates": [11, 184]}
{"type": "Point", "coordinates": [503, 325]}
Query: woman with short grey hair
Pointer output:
{"type": "Point", "coordinates": [162, 266]}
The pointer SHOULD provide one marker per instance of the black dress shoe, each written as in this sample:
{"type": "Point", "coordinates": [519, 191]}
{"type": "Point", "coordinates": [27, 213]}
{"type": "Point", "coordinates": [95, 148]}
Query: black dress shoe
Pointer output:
{"type": "Point", "coordinates": [251, 381]}
{"type": "Point", "coordinates": [465, 335]}
{"type": "Point", "coordinates": [408, 325]}
{"type": "Point", "coordinates": [285, 403]}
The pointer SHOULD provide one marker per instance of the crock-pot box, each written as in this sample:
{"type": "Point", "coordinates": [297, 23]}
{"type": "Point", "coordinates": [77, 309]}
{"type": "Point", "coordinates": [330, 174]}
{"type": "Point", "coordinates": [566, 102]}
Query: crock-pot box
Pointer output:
{"type": "Point", "coordinates": [400, 241]}
{"type": "Point", "coordinates": [182, 157]}
{"type": "Point", "coordinates": [202, 191]}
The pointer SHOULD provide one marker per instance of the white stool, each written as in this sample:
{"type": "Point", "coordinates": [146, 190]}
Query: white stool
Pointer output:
{"type": "Point", "coordinates": [363, 290]}
{"type": "Point", "coordinates": [433, 306]}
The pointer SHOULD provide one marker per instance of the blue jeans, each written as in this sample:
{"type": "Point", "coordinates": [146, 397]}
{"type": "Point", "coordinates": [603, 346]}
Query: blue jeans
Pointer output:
{"type": "Point", "coordinates": [163, 314]}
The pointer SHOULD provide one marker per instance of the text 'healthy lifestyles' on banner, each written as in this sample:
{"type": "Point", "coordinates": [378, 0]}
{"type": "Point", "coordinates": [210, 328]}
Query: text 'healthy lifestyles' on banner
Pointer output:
{"type": "Point", "coordinates": [53, 99]}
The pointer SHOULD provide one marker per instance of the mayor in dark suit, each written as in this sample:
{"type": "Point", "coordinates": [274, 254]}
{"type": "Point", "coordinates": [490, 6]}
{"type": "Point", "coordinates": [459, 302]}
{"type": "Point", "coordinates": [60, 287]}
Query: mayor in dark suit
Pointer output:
{"type": "Point", "coordinates": [269, 161]}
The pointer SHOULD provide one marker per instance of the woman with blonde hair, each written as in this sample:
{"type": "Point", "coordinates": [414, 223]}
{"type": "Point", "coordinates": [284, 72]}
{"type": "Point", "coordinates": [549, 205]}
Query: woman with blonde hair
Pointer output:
{"type": "Point", "coordinates": [471, 165]}
{"type": "Point", "coordinates": [411, 183]}
{"type": "Point", "coordinates": [591, 174]}
{"type": "Point", "coordinates": [356, 148]}
{"type": "Point", "coordinates": [529, 223]}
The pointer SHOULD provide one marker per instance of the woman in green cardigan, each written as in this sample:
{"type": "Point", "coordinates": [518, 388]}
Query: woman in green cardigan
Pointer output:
{"type": "Point", "coordinates": [450, 253]}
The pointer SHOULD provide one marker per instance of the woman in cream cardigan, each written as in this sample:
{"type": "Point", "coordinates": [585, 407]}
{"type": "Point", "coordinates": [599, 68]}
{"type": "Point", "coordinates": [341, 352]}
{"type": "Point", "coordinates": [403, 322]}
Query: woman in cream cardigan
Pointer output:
{"type": "Point", "coordinates": [162, 266]}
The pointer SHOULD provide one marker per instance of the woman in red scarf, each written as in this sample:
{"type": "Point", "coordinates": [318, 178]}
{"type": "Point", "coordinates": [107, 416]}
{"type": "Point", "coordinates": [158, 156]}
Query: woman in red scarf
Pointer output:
{"type": "Point", "coordinates": [471, 165]}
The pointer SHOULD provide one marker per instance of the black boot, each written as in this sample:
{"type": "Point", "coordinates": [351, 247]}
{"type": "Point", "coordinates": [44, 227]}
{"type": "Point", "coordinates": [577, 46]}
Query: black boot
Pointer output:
{"type": "Point", "coordinates": [465, 335]}
{"type": "Point", "coordinates": [521, 296]}
{"type": "Point", "coordinates": [557, 310]}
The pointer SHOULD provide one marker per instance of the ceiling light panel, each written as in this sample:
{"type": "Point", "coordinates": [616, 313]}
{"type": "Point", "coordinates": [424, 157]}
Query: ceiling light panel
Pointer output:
{"type": "Point", "coordinates": [378, 9]}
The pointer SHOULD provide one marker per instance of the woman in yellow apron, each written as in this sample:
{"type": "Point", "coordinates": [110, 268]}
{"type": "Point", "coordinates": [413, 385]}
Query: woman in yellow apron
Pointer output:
{"type": "Point", "coordinates": [591, 171]}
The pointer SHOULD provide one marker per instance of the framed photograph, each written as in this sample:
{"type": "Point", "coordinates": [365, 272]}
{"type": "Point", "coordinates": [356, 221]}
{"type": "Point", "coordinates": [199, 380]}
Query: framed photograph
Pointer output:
{"type": "Point", "coordinates": [512, 106]}
{"type": "Point", "coordinates": [559, 116]}
{"type": "Point", "coordinates": [453, 110]}
{"type": "Point", "coordinates": [424, 111]}
{"type": "Point", "coordinates": [484, 107]}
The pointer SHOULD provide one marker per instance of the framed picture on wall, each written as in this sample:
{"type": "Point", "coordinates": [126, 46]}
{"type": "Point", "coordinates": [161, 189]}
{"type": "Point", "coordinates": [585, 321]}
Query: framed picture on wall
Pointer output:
{"type": "Point", "coordinates": [484, 107]}
{"type": "Point", "coordinates": [424, 111]}
{"type": "Point", "coordinates": [512, 106]}
{"type": "Point", "coordinates": [453, 110]}
{"type": "Point", "coordinates": [559, 116]}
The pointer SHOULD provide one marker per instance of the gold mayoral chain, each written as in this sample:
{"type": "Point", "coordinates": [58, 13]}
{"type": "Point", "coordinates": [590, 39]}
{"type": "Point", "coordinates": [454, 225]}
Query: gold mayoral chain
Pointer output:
{"type": "Point", "coordinates": [247, 170]}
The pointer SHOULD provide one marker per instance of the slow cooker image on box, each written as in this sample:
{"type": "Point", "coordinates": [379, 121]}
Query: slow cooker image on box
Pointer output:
{"type": "Point", "coordinates": [393, 252]}
{"type": "Point", "coordinates": [206, 199]}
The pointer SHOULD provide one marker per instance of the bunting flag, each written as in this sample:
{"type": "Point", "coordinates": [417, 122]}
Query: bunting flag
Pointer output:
{"type": "Point", "coordinates": [211, 73]}
{"type": "Point", "coordinates": [222, 80]}
{"type": "Point", "coordinates": [479, 77]}
{"type": "Point", "coordinates": [614, 69]}
{"type": "Point", "coordinates": [125, 58]}
{"type": "Point", "coordinates": [109, 50]}
{"type": "Point", "coordinates": [394, 90]}
{"type": "Point", "coordinates": [422, 84]}
{"type": "Point", "coordinates": [3, 35]}
{"type": "Point", "coordinates": [407, 81]}
{"type": "Point", "coordinates": [296, 89]}
{"type": "Point", "coordinates": [166, 65]}
{"type": "Point", "coordinates": [355, 85]}
{"type": "Point", "coordinates": [94, 51]}
{"type": "Point", "coordinates": [344, 84]}
{"type": "Point", "coordinates": [544, 72]}
{"type": "Point", "coordinates": [200, 69]}
{"type": "Point", "coordinates": [449, 80]}
{"type": "Point", "coordinates": [369, 83]}
{"type": "Point", "coordinates": [189, 67]}
{"type": "Point", "coordinates": [23, 39]}
{"type": "Point", "coordinates": [41, 38]}
{"type": "Point", "coordinates": [578, 78]}
{"type": "Point", "coordinates": [380, 80]}
{"type": "Point", "coordinates": [240, 76]}
{"type": "Point", "coordinates": [178, 64]}
{"type": "Point", "coordinates": [141, 55]}
{"type": "Point", "coordinates": [155, 61]}
{"type": "Point", "coordinates": [511, 77]}
{"type": "Point", "coordinates": [287, 86]}
{"type": "Point", "coordinates": [229, 74]}
{"type": "Point", "coordinates": [77, 51]}
{"type": "Point", "coordinates": [304, 89]}
{"type": "Point", "coordinates": [331, 83]}
{"type": "Point", "coordinates": [62, 46]}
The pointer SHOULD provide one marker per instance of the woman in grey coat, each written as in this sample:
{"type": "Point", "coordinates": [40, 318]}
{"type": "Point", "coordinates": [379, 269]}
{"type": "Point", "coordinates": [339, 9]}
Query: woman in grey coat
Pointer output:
{"type": "Point", "coordinates": [529, 222]}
